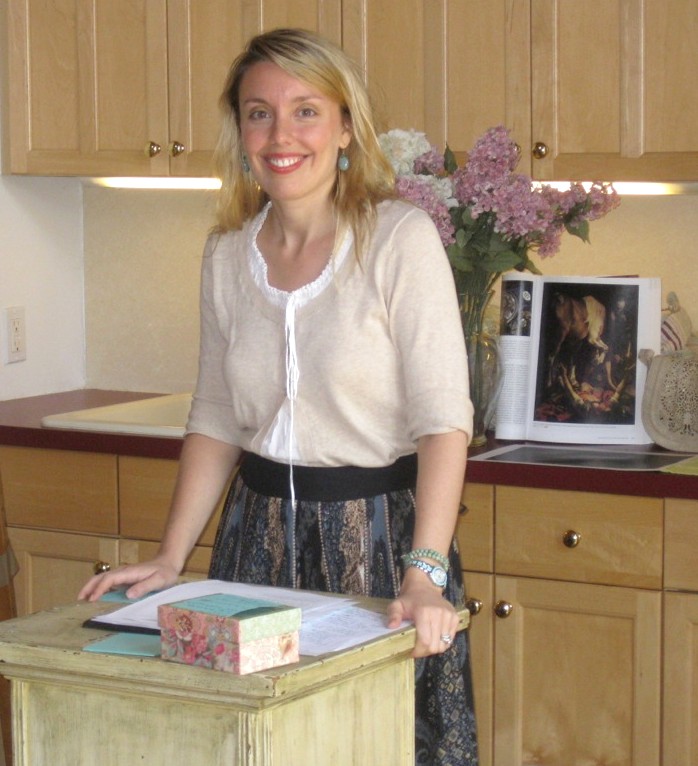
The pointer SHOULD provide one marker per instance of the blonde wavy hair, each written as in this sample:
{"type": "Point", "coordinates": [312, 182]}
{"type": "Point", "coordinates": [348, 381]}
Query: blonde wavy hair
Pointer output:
{"type": "Point", "coordinates": [314, 60]}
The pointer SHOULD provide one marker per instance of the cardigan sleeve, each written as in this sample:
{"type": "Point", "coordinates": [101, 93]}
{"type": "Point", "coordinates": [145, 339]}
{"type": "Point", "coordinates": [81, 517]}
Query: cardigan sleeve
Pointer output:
{"type": "Point", "coordinates": [211, 412]}
{"type": "Point", "coordinates": [426, 327]}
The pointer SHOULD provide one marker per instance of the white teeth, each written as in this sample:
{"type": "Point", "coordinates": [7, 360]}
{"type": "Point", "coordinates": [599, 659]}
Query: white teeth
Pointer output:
{"type": "Point", "coordinates": [283, 162]}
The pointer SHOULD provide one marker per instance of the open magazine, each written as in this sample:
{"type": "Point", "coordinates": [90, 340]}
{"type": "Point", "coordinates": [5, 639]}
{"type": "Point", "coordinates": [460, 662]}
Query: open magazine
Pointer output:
{"type": "Point", "coordinates": [569, 355]}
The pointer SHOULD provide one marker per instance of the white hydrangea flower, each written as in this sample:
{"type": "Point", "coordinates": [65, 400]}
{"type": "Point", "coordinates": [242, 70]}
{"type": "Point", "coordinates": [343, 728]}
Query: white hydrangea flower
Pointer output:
{"type": "Point", "coordinates": [444, 188]}
{"type": "Point", "coordinates": [402, 147]}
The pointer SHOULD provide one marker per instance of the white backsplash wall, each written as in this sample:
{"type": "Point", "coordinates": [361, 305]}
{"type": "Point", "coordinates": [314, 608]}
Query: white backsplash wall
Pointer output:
{"type": "Point", "coordinates": [645, 236]}
{"type": "Point", "coordinates": [142, 271]}
{"type": "Point", "coordinates": [143, 252]}
{"type": "Point", "coordinates": [41, 268]}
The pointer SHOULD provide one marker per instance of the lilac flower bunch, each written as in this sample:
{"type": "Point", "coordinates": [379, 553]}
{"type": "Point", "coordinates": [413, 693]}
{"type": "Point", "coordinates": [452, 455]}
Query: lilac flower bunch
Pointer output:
{"type": "Point", "coordinates": [488, 216]}
{"type": "Point", "coordinates": [490, 219]}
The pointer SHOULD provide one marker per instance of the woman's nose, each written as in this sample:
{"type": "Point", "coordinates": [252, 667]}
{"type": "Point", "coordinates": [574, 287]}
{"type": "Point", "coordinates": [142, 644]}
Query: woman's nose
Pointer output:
{"type": "Point", "coordinates": [281, 129]}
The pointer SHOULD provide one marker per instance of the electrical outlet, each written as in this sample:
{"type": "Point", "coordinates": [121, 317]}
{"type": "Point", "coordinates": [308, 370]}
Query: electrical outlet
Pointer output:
{"type": "Point", "coordinates": [15, 334]}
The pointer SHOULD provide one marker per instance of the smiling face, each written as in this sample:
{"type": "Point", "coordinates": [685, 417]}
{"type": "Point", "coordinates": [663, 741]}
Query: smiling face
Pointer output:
{"type": "Point", "coordinates": [291, 133]}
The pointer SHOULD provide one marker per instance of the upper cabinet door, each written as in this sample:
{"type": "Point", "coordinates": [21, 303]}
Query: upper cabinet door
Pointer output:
{"type": "Point", "coordinates": [87, 86]}
{"type": "Point", "coordinates": [399, 46]}
{"type": "Point", "coordinates": [613, 97]}
{"type": "Point", "coordinates": [440, 66]}
{"type": "Point", "coordinates": [487, 71]}
{"type": "Point", "coordinates": [99, 87]}
{"type": "Point", "coordinates": [204, 38]}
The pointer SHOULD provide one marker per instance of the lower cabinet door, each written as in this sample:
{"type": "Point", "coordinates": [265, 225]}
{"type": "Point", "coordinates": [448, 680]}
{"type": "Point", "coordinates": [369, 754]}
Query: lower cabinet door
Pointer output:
{"type": "Point", "coordinates": [680, 713]}
{"type": "Point", "coordinates": [577, 674]}
{"type": "Point", "coordinates": [53, 566]}
{"type": "Point", "coordinates": [479, 589]}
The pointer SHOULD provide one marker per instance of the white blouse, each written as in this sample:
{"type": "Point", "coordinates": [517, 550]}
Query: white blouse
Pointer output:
{"type": "Point", "coordinates": [279, 442]}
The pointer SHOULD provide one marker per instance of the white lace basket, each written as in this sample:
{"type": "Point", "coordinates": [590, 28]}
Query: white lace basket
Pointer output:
{"type": "Point", "coordinates": [670, 400]}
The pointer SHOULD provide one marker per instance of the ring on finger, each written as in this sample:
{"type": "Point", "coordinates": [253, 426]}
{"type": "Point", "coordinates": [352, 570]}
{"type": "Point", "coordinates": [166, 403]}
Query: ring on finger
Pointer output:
{"type": "Point", "coordinates": [446, 638]}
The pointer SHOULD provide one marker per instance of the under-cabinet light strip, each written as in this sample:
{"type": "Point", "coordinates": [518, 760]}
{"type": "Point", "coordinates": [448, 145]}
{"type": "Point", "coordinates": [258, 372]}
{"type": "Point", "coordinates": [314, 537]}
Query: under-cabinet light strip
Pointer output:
{"type": "Point", "coordinates": [138, 182]}
{"type": "Point", "coordinates": [133, 182]}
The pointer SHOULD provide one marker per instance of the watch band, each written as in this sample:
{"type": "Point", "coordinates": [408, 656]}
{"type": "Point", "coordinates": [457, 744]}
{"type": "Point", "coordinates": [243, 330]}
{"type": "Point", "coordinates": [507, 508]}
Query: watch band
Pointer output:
{"type": "Point", "coordinates": [436, 574]}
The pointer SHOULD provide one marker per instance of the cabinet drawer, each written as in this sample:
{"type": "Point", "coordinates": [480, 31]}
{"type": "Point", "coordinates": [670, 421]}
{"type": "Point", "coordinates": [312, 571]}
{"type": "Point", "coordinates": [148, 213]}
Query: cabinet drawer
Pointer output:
{"type": "Point", "coordinates": [680, 540]}
{"type": "Point", "coordinates": [145, 491]}
{"type": "Point", "coordinates": [619, 538]}
{"type": "Point", "coordinates": [60, 489]}
{"type": "Point", "coordinates": [475, 528]}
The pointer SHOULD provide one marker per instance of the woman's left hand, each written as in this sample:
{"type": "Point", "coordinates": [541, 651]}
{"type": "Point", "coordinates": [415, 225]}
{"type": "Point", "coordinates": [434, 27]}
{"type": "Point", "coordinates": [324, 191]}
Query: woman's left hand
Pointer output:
{"type": "Point", "coordinates": [434, 618]}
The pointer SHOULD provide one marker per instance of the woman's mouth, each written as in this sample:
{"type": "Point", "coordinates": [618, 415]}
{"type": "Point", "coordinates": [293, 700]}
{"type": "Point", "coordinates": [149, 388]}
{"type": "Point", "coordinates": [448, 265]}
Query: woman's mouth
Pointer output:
{"type": "Point", "coordinates": [284, 164]}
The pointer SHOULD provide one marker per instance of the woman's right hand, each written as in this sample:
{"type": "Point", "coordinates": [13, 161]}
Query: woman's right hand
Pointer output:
{"type": "Point", "coordinates": [140, 579]}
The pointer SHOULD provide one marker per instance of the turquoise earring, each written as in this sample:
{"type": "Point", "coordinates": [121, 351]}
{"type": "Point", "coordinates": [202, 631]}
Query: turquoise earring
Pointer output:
{"type": "Point", "coordinates": [245, 164]}
{"type": "Point", "coordinates": [343, 162]}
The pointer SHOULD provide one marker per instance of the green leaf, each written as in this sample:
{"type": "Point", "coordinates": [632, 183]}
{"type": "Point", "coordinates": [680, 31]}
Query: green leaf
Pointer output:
{"type": "Point", "coordinates": [498, 244]}
{"type": "Point", "coordinates": [450, 161]}
{"type": "Point", "coordinates": [529, 265]}
{"type": "Point", "coordinates": [502, 261]}
{"type": "Point", "coordinates": [459, 260]}
{"type": "Point", "coordinates": [581, 230]}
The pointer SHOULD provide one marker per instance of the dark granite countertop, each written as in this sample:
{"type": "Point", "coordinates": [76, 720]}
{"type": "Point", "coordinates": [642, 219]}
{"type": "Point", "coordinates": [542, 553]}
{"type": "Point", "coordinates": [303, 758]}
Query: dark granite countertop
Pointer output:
{"type": "Point", "coordinates": [20, 425]}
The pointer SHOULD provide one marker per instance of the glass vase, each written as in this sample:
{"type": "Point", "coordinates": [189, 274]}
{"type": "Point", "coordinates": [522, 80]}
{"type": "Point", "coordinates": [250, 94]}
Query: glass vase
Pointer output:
{"type": "Point", "coordinates": [484, 375]}
{"type": "Point", "coordinates": [484, 368]}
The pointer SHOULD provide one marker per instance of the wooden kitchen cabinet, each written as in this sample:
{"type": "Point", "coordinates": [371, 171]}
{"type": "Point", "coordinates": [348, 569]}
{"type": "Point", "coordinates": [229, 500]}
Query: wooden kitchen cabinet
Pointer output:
{"type": "Point", "coordinates": [146, 486]}
{"type": "Point", "coordinates": [60, 490]}
{"type": "Point", "coordinates": [53, 566]}
{"type": "Point", "coordinates": [145, 490]}
{"type": "Point", "coordinates": [87, 87]}
{"type": "Point", "coordinates": [680, 735]}
{"type": "Point", "coordinates": [70, 513]}
{"type": "Point", "coordinates": [680, 711]}
{"type": "Point", "coordinates": [196, 568]}
{"type": "Point", "coordinates": [475, 535]}
{"type": "Point", "coordinates": [593, 90]}
{"type": "Point", "coordinates": [566, 628]}
{"type": "Point", "coordinates": [62, 515]}
{"type": "Point", "coordinates": [577, 673]}
{"type": "Point", "coordinates": [129, 88]}
{"type": "Point", "coordinates": [611, 98]}
{"type": "Point", "coordinates": [440, 66]}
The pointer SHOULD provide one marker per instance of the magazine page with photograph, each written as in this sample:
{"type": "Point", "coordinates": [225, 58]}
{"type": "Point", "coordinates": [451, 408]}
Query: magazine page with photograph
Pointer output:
{"type": "Point", "coordinates": [516, 318]}
{"type": "Point", "coordinates": [580, 338]}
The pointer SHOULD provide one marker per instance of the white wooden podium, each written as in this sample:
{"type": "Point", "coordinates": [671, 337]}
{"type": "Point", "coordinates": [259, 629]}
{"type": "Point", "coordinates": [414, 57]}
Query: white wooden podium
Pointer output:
{"type": "Point", "coordinates": [71, 707]}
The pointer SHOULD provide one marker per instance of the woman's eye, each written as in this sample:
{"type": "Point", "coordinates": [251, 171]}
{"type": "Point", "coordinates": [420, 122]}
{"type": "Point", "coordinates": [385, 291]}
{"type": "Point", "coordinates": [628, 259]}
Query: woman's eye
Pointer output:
{"type": "Point", "coordinates": [307, 111]}
{"type": "Point", "coordinates": [258, 114]}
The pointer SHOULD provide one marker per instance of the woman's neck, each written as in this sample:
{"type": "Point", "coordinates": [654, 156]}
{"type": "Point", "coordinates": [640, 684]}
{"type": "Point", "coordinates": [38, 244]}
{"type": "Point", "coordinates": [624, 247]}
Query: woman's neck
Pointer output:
{"type": "Point", "coordinates": [296, 245]}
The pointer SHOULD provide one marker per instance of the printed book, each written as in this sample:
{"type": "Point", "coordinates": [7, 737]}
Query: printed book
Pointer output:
{"type": "Point", "coordinates": [569, 355]}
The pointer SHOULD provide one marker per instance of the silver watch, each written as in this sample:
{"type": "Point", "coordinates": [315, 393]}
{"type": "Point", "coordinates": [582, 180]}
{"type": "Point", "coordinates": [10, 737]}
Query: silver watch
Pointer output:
{"type": "Point", "coordinates": [436, 574]}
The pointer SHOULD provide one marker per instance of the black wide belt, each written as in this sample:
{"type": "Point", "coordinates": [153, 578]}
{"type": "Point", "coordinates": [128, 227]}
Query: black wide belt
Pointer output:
{"type": "Point", "coordinates": [267, 477]}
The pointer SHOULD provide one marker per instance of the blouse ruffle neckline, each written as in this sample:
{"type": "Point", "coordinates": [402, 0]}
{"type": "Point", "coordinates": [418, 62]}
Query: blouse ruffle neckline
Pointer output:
{"type": "Point", "coordinates": [304, 294]}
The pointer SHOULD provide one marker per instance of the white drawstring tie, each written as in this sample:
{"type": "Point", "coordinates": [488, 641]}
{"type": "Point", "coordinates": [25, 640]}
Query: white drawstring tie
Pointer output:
{"type": "Point", "coordinates": [292, 376]}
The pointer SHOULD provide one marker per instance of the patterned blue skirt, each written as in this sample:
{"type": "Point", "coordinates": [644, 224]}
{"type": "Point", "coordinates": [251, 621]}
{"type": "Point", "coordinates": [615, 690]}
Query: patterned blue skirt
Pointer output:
{"type": "Point", "coordinates": [353, 547]}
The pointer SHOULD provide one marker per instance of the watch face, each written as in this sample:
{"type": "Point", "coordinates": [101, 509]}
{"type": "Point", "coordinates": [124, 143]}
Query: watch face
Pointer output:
{"type": "Point", "coordinates": [438, 576]}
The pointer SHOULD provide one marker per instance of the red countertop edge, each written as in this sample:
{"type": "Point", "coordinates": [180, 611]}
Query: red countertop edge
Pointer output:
{"type": "Point", "coordinates": [20, 425]}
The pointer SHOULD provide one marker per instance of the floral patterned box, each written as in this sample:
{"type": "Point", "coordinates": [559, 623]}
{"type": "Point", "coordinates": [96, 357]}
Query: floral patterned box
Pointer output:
{"type": "Point", "coordinates": [231, 633]}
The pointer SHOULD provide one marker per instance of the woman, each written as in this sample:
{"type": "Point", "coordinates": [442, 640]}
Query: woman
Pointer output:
{"type": "Point", "coordinates": [332, 366]}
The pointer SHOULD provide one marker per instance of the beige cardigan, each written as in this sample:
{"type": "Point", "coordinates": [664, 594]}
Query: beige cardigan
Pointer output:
{"type": "Point", "coordinates": [380, 349]}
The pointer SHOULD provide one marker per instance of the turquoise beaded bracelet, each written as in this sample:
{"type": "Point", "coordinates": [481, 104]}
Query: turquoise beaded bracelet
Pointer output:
{"type": "Point", "coordinates": [428, 553]}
